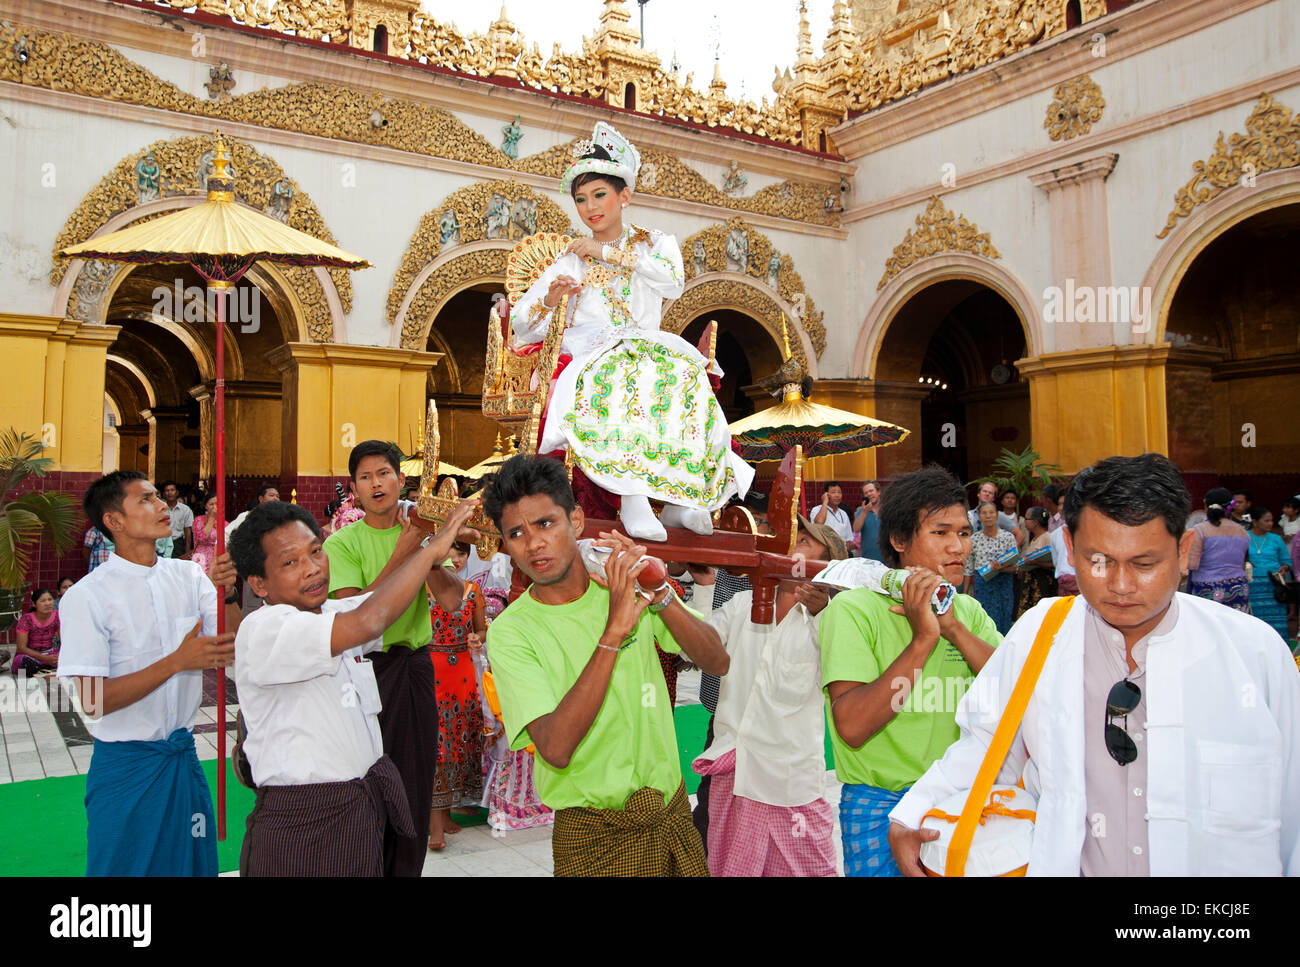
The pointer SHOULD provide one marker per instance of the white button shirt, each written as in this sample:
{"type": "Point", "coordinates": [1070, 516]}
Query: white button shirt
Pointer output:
{"type": "Point", "coordinates": [311, 716]}
{"type": "Point", "coordinates": [123, 617]}
{"type": "Point", "coordinates": [769, 702]}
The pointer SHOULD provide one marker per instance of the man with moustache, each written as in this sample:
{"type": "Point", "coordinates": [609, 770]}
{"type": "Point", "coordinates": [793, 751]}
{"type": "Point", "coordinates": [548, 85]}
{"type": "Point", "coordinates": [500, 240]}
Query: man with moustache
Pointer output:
{"type": "Point", "coordinates": [575, 667]}
{"type": "Point", "coordinates": [1163, 735]}
{"type": "Point", "coordinates": [325, 789]}
{"type": "Point", "coordinates": [361, 556]}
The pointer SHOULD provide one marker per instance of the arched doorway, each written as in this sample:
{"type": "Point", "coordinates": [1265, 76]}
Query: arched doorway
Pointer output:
{"type": "Point", "coordinates": [161, 377]}
{"type": "Point", "coordinates": [1233, 372]}
{"type": "Point", "coordinates": [945, 369]}
{"type": "Point", "coordinates": [746, 352]}
{"type": "Point", "coordinates": [459, 330]}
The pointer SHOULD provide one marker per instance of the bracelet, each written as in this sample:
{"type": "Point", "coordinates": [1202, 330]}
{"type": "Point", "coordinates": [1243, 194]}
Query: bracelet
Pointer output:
{"type": "Point", "coordinates": [669, 598]}
{"type": "Point", "coordinates": [626, 641]}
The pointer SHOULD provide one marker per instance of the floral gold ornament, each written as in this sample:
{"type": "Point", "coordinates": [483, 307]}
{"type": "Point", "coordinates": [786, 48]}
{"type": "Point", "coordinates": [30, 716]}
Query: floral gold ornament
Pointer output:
{"type": "Point", "coordinates": [1076, 106]}
{"type": "Point", "coordinates": [699, 299]}
{"type": "Point", "coordinates": [434, 507]}
{"type": "Point", "coordinates": [937, 230]}
{"type": "Point", "coordinates": [173, 168]}
{"type": "Point", "coordinates": [759, 256]}
{"type": "Point", "coordinates": [344, 113]}
{"type": "Point", "coordinates": [1271, 143]}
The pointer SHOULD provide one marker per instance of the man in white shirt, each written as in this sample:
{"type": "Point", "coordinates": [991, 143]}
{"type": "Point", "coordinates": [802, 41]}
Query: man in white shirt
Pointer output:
{"type": "Point", "coordinates": [325, 789]}
{"type": "Point", "coordinates": [988, 494]}
{"type": "Point", "coordinates": [1189, 764]}
{"type": "Point", "coordinates": [832, 514]}
{"type": "Point", "coordinates": [137, 633]}
{"type": "Point", "coordinates": [1066, 583]}
{"type": "Point", "coordinates": [767, 760]}
{"type": "Point", "coordinates": [182, 519]}
{"type": "Point", "coordinates": [266, 493]}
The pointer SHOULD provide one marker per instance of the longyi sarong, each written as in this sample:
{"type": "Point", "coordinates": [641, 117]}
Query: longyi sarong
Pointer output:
{"type": "Point", "coordinates": [148, 810]}
{"type": "Point", "coordinates": [409, 726]}
{"type": "Point", "coordinates": [645, 838]}
{"type": "Point", "coordinates": [325, 828]}
{"type": "Point", "coordinates": [751, 838]}
{"type": "Point", "coordinates": [864, 828]}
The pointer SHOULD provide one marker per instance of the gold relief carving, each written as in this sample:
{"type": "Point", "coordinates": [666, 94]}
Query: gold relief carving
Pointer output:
{"type": "Point", "coordinates": [1076, 106]}
{"type": "Point", "coordinates": [700, 299]}
{"type": "Point", "coordinates": [760, 253]}
{"type": "Point", "coordinates": [937, 230]}
{"type": "Point", "coordinates": [178, 163]}
{"type": "Point", "coordinates": [470, 207]}
{"type": "Point", "coordinates": [450, 277]}
{"type": "Point", "coordinates": [62, 62]}
{"type": "Point", "coordinates": [1271, 143]}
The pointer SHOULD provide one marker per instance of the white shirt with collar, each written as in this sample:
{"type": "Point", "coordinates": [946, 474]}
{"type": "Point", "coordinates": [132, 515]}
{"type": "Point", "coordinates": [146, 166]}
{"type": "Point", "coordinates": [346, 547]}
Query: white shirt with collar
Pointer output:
{"type": "Point", "coordinates": [770, 707]}
{"type": "Point", "coordinates": [311, 716]}
{"type": "Point", "coordinates": [123, 617]}
{"type": "Point", "coordinates": [839, 520]}
{"type": "Point", "coordinates": [1222, 736]}
{"type": "Point", "coordinates": [1060, 558]}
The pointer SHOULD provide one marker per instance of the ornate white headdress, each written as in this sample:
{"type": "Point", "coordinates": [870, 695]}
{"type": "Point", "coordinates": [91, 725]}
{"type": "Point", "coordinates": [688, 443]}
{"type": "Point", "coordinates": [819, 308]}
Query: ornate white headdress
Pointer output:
{"type": "Point", "coordinates": [625, 161]}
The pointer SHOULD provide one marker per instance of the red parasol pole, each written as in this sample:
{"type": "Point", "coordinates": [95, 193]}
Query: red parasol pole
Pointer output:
{"type": "Point", "coordinates": [219, 418]}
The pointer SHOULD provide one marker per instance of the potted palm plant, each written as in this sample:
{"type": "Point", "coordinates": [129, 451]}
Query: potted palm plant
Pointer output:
{"type": "Point", "coordinates": [1023, 472]}
{"type": "Point", "coordinates": [27, 517]}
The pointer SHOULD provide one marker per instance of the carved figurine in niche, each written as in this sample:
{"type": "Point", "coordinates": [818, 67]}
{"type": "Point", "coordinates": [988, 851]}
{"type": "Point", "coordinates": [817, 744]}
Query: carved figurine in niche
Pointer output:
{"type": "Point", "coordinates": [221, 81]}
{"type": "Point", "coordinates": [497, 217]}
{"type": "Point", "coordinates": [735, 180]}
{"type": "Point", "coordinates": [205, 169]}
{"type": "Point", "coordinates": [697, 253]}
{"type": "Point", "coordinates": [148, 179]}
{"type": "Point", "coordinates": [611, 407]}
{"type": "Point", "coordinates": [281, 200]}
{"type": "Point", "coordinates": [523, 217]}
{"type": "Point", "coordinates": [737, 250]}
{"type": "Point", "coordinates": [448, 229]}
{"type": "Point", "coordinates": [511, 135]}
{"type": "Point", "coordinates": [774, 271]}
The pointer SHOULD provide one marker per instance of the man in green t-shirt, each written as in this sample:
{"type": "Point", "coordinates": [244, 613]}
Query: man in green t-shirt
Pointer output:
{"type": "Point", "coordinates": [893, 674]}
{"type": "Point", "coordinates": [574, 664]}
{"type": "Point", "coordinates": [361, 555]}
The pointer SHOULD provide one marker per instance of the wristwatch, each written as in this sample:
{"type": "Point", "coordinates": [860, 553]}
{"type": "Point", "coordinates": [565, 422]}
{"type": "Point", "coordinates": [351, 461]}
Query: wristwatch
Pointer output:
{"type": "Point", "coordinates": [668, 599]}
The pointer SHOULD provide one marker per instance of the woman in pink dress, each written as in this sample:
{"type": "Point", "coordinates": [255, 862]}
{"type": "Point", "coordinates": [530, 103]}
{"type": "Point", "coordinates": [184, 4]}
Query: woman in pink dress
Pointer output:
{"type": "Point", "coordinates": [37, 637]}
{"type": "Point", "coordinates": [205, 535]}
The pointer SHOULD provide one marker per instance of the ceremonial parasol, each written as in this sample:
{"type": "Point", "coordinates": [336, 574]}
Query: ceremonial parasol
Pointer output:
{"type": "Point", "coordinates": [221, 239]}
{"type": "Point", "coordinates": [493, 463]}
{"type": "Point", "coordinates": [414, 467]}
{"type": "Point", "coordinates": [821, 430]}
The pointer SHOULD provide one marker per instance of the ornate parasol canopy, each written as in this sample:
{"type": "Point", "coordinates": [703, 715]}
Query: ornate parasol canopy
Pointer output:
{"type": "Point", "coordinates": [820, 430]}
{"type": "Point", "coordinates": [221, 239]}
{"type": "Point", "coordinates": [414, 467]}
{"type": "Point", "coordinates": [493, 463]}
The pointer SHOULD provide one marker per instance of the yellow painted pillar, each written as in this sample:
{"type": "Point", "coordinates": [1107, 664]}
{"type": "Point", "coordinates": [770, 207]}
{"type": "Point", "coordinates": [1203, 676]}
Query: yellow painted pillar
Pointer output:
{"type": "Point", "coordinates": [336, 396]}
{"type": "Point", "coordinates": [1087, 404]}
{"type": "Point", "coordinates": [54, 385]}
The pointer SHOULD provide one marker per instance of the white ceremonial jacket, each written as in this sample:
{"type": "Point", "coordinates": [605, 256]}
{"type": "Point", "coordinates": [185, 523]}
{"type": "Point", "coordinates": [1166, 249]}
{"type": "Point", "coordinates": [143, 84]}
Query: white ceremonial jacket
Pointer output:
{"type": "Point", "coordinates": [595, 327]}
{"type": "Point", "coordinates": [1223, 736]}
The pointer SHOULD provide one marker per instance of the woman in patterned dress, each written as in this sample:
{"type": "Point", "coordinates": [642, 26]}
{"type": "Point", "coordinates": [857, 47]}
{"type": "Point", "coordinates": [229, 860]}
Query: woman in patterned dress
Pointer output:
{"type": "Point", "coordinates": [458, 774]}
{"type": "Point", "coordinates": [1268, 556]}
{"type": "Point", "coordinates": [634, 406]}
{"type": "Point", "coordinates": [205, 535]}
{"type": "Point", "coordinates": [1216, 562]}
{"type": "Point", "coordinates": [37, 637]}
{"type": "Point", "coordinates": [996, 594]}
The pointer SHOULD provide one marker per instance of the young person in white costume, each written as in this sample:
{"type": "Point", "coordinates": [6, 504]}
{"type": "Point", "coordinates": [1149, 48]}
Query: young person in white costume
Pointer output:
{"type": "Point", "coordinates": [634, 406]}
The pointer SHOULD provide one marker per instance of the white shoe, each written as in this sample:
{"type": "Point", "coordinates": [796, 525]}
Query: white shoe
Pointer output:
{"type": "Point", "coordinates": [692, 518]}
{"type": "Point", "coordinates": [640, 521]}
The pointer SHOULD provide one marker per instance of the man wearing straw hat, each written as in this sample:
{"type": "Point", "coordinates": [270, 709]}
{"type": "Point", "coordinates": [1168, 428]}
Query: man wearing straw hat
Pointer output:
{"type": "Point", "coordinates": [1163, 734]}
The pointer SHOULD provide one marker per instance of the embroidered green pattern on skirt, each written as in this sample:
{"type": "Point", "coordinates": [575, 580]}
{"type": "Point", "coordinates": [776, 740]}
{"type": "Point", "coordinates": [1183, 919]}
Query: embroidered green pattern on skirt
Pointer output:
{"type": "Point", "coordinates": [675, 449]}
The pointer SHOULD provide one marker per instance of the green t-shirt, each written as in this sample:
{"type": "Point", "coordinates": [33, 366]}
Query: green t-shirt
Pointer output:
{"type": "Point", "coordinates": [537, 652]}
{"type": "Point", "coordinates": [860, 638]}
{"type": "Point", "coordinates": [357, 553]}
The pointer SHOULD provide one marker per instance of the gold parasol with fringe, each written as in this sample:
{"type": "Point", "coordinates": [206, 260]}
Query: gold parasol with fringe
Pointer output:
{"type": "Point", "coordinates": [821, 430]}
